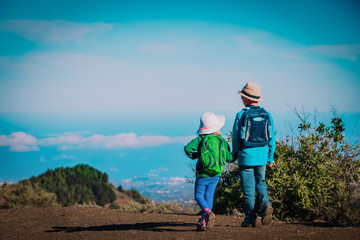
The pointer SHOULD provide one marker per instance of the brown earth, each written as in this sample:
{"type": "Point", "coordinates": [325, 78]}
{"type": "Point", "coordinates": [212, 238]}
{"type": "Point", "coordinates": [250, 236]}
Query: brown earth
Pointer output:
{"type": "Point", "coordinates": [99, 223]}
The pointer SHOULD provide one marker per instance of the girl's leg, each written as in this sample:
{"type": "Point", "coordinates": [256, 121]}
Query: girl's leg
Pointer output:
{"type": "Point", "coordinates": [200, 188]}
{"type": "Point", "coordinates": [209, 198]}
{"type": "Point", "coordinates": [210, 190]}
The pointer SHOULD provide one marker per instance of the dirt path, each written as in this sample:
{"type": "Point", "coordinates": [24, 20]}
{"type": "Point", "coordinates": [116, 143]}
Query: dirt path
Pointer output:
{"type": "Point", "coordinates": [94, 223]}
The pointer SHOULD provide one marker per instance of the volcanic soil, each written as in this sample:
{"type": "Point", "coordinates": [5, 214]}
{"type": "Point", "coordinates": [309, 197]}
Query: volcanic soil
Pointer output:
{"type": "Point", "coordinates": [99, 223]}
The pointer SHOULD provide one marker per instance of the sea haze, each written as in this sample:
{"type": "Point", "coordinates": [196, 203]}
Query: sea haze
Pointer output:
{"type": "Point", "coordinates": [143, 151]}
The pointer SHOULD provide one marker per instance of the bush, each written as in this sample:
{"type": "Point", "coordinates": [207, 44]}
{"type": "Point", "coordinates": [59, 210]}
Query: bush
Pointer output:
{"type": "Point", "coordinates": [120, 188]}
{"type": "Point", "coordinates": [136, 196]}
{"type": "Point", "coordinates": [114, 206]}
{"type": "Point", "coordinates": [314, 174]}
{"type": "Point", "coordinates": [26, 195]}
{"type": "Point", "coordinates": [315, 177]}
{"type": "Point", "coordinates": [228, 194]}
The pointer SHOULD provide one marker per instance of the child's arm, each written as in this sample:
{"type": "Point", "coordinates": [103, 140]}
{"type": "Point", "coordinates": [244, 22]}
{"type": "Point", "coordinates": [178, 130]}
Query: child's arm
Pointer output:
{"type": "Point", "coordinates": [191, 149]}
{"type": "Point", "coordinates": [229, 156]}
{"type": "Point", "coordinates": [272, 143]}
{"type": "Point", "coordinates": [236, 135]}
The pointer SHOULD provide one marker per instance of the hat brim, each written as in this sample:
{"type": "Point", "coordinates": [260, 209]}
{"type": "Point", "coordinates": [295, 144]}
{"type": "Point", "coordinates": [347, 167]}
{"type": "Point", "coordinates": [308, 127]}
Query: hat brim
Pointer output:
{"type": "Point", "coordinates": [215, 128]}
{"type": "Point", "coordinates": [254, 99]}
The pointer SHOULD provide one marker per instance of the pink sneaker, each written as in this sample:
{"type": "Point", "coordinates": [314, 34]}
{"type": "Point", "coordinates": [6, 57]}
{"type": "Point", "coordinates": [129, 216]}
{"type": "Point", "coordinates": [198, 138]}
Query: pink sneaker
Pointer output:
{"type": "Point", "coordinates": [201, 225]}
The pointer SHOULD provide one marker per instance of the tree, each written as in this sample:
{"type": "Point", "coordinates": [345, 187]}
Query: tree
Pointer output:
{"type": "Point", "coordinates": [79, 184]}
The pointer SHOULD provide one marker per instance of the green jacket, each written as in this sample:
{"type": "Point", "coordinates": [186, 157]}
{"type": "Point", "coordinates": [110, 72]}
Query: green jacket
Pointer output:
{"type": "Point", "coordinates": [191, 150]}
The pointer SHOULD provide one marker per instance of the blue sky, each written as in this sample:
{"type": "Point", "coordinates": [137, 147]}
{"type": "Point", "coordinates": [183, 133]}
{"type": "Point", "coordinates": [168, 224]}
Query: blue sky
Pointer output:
{"type": "Point", "coordinates": [121, 85]}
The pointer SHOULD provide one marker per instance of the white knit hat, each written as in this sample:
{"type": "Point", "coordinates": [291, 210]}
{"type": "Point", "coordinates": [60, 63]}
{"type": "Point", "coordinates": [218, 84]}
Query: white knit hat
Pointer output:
{"type": "Point", "coordinates": [210, 123]}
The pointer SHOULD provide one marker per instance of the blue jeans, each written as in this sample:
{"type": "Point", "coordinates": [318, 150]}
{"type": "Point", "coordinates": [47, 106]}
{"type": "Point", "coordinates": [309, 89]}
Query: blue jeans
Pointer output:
{"type": "Point", "coordinates": [204, 192]}
{"type": "Point", "coordinates": [253, 179]}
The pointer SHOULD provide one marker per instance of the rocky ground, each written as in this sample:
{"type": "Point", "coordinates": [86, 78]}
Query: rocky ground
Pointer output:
{"type": "Point", "coordinates": [99, 223]}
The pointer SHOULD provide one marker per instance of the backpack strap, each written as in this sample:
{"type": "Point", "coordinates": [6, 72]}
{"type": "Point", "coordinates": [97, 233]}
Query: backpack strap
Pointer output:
{"type": "Point", "coordinates": [212, 154]}
{"type": "Point", "coordinates": [242, 125]}
{"type": "Point", "coordinates": [220, 145]}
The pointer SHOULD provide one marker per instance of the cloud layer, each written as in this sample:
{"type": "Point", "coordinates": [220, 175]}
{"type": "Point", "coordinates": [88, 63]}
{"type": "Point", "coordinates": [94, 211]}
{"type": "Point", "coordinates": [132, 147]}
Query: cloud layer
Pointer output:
{"type": "Point", "coordinates": [56, 31]}
{"type": "Point", "coordinates": [19, 142]}
{"type": "Point", "coordinates": [165, 68]}
{"type": "Point", "coordinates": [22, 142]}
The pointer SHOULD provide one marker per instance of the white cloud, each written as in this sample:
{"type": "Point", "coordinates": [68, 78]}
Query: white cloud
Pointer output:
{"type": "Point", "coordinates": [264, 44]}
{"type": "Point", "coordinates": [61, 140]}
{"type": "Point", "coordinates": [114, 170]}
{"type": "Point", "coordinates": [153, 174]}
{"type": "Point", "coordinates": [176, 181]}
{"type": "Point", "coordinates": [124, 78]}
{"type": "Point", "coordinates": [344, 51]}
{"type": "Point", "coordinates": [127, 180]}
{"type": "Point", "coordinates": [22, 142]}
{"type": "Point", "coordinates": [158, 170]}
{"type": "Point", "coordinates": [19, 142]}
{"type": "Point", "coordinates": [97, 141]}
{"type": "Point", "coordinates": [163, 169]}
{"type": "Point", "coordinates": [7, 182]}
{"type": "Point", "coordinates": [57, 31]}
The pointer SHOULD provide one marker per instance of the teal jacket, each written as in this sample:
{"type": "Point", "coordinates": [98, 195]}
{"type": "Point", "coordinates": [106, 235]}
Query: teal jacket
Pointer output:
{"type": "Point", "coordinates": [192, 151]}
{"type": "Point", "coordinates": [257, 156]}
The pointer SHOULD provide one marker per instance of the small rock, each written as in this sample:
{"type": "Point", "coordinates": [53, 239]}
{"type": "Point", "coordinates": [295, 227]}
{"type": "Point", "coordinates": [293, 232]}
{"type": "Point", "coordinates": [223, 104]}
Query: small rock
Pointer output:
{"type": "Point", "coordinates": [236, 213]}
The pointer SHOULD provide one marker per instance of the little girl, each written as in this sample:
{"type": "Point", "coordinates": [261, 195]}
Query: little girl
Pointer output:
{"type": "Point", "coordinates": [207, 175]}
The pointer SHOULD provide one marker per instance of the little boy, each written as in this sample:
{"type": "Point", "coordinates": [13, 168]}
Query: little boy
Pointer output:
{"type": "Point", "coordinates": [212, 151]}
{"type": "Point", "coordinates": [253, 142]}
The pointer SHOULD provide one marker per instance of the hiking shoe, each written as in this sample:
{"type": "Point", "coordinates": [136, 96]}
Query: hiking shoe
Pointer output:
{"type": "Point", "coordinates": [267, 215]}
{"type": "Point", "coordinates": [201, 225]}
{"type": "Point", "coordinates": [248, 223]}
{"type": "Point", "coordinates": [210, 219]}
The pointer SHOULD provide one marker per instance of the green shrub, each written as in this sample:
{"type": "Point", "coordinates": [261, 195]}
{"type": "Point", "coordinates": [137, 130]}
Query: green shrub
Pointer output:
{"type": "Point", "coordinates": [315, 177]}
{"type": "Point", "coordinates": [314, 174]}
{"type": "Point", "coordinates": [26, 195]}
{"type": "Point", "coordinates": [114, 206]}
{"type": "Point", "coordinates": [228, 194]}
{"type": "Point", "coordinates": [120, 188]}
{"type": "Point", "coordinates": [136, 196]}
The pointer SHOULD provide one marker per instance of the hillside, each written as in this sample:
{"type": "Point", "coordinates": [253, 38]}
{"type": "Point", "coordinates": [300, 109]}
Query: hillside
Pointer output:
{"type": "Point", "coordinates": [79, 184]}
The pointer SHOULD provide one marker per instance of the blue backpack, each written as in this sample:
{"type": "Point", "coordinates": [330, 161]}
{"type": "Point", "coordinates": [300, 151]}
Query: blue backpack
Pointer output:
{"type": "Point", "coordinates": [256, 129]}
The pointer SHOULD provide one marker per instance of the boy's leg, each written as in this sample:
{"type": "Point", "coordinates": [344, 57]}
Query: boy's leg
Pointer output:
{"type": "Point", "coordinates": [260, 185]}
{"type": "Point", "coordinates": [248, 188]}
{"type": "Point", "coordinates": [261, 190]}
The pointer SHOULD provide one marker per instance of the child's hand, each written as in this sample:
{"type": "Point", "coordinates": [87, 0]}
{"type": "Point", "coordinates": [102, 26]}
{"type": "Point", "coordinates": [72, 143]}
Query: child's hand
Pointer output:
{"type": "Point", "coordinates": [272, 164]}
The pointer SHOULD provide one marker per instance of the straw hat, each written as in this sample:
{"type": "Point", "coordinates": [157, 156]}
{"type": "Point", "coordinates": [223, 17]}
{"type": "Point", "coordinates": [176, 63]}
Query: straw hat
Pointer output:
{"type": "Point", "coordinates": [210, 123]}
{"type": "Point", "coordinates": [251, 91]}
